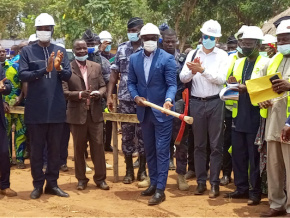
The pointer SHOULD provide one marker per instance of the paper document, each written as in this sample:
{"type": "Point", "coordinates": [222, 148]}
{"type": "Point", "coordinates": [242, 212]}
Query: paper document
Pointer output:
{"type": "Point", "coordinates": [260, 89]}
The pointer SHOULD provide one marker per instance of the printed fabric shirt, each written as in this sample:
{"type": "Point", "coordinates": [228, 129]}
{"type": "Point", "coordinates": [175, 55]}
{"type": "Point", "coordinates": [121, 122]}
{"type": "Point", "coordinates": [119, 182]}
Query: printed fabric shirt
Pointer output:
{"type": "Point", "coordinates": [180, 85]}
{"type": "Point", "coordinates": [11, 72]}
{"type": "Point", "coordinates": [121, 65]}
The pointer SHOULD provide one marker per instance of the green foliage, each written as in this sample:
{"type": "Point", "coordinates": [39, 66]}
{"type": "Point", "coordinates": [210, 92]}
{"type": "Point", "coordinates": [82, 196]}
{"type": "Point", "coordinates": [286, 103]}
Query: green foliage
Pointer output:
{"type": "Point", "coordinates": [73, 17]}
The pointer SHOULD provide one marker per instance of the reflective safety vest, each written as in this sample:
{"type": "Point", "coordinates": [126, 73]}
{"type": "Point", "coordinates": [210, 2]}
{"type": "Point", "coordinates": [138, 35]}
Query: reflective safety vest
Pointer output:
{"type": "Point", "coordinates": [238, 71]}
{"type": "Point", "coordinates": [230, 70]}
{"type": "Point", "coordinates": [273, 67]}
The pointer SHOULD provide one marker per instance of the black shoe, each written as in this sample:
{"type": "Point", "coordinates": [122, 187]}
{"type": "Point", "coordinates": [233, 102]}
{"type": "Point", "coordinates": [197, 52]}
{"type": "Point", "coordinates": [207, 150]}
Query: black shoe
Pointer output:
{"type": "Point", "coordinates": [225, 180]}
{"type": "Point", "coordinates": [108, 148]}
{"type": "Point", "coordinates": [254, 201]}
{"type": "Point", "coordinates": [36, 193]}
{"type": "Point", "coordinates": [64, 168]}
{"type": "Point", "coordinates": [214, 191]}
{"type": "Point", "coordinates": [149, 191]}
{"type": "Point", "coordinates": [129, 177]}
{"type": "Point", "coordinates": [82, 184]}
{"type": "Point", "coordinates": [200, 189]}
{"type": "Point", "coordinates": [141, 175]}
{"type": "Point", "coordinates": [157, 198]}
{"type": "Point", "coordinates": [55, 191]}
{"type": "Point", "coordinates": [236, 194]}
{"type": "Point", "coordinates": [103, 185]}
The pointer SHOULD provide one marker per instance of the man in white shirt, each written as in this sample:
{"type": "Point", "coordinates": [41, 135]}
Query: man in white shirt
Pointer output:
{"type": "Point", "coordinates": [205, 71]}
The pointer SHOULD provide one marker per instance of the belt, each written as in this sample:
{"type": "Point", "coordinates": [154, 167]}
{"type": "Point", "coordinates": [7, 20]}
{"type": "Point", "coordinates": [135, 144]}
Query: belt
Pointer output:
{"type": "Point", "coordinates": [206, 98]}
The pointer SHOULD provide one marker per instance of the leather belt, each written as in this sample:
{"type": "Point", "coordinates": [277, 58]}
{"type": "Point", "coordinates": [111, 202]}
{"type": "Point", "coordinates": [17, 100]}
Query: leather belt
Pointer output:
{"type": "Point", "coordinates": [206, 98]}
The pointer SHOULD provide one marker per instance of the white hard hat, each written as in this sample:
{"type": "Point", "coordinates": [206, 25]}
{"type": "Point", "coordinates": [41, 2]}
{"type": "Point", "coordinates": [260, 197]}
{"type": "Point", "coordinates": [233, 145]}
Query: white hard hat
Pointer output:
{"type": "Point", "coordinates": [253, 32]}
{"type": "Point", "coordinates": [269, 39]}
{"type": "Point", "coordinates": [284, 27]}
{"type": "Point", "coordinates": [105, 36]}
{"type": "Point", "coordinates": [241, 31]}
{"type": "Point", "coordinates": [32, 38]}
{"type": "Point", "coordinates": [211, 28]}
{"type": "Point", "coordinates": [44, 19]}
{"type": "Point", "coordinates": [148, 29]}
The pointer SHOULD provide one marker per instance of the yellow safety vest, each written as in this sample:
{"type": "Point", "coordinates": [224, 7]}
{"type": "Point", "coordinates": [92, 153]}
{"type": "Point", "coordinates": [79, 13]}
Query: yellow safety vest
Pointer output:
{"type": "Point", "coordinates": [230, 70]}
{"type": "Point", "coordinates": [238, 71]}
{"type": "Point", "coordinates": [273, 67]}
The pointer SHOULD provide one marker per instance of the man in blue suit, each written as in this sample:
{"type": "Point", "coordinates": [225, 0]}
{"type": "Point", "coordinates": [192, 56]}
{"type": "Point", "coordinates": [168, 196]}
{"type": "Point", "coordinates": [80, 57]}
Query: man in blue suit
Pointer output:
{"type": "Point", "coordinates": [152, 78]}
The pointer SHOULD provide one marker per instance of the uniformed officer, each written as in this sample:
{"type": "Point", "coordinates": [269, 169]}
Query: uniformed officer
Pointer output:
{"type": "Point", "coordinates": [44, 65]}
{"type": "Point", "coordinates": [126, 103]}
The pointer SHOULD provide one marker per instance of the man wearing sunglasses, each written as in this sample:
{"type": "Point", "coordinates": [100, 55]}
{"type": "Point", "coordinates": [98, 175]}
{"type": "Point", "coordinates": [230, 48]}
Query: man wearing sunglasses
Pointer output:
{"type": "Point", "coordinates": [205, 71]}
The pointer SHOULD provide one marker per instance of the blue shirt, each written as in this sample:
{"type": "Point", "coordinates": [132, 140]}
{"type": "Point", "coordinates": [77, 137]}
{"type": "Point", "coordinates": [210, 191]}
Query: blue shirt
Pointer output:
{"type": "Point", "coordinates": [147, 63]}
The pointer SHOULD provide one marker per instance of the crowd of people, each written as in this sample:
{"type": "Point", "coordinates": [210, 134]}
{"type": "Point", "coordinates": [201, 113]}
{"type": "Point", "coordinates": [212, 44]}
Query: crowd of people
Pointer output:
{"type": "Point", "coordinates": [63, 96]}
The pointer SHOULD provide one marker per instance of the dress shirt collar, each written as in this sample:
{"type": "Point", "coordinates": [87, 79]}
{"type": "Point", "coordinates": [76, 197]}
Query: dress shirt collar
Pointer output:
{"type": "Point", "coordinates": [151, 55]}
{"type": "Point", "coordinates": [215, 50]}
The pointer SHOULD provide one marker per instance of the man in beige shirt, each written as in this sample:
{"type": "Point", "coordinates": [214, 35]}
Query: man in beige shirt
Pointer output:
{"type": "Point", "coordinates": [278, 157]}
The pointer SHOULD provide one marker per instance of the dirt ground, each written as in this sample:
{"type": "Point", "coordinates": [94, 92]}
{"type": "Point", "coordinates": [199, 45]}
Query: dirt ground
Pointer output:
{"type": "Point", "coordinates": [120, 201]}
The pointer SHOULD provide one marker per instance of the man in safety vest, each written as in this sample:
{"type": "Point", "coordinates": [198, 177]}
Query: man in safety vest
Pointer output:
{"type": "Point", "coordinates": [246, 119]}
{"type": "Point", "coordinates": [278, 154]}
{"type": "Point", "coordinates": [234, 42]}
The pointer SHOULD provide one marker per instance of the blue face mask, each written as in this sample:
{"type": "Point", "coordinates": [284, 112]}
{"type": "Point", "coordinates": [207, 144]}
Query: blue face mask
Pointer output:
{"type": "Point", "coordinates": [232, 52]}
{"type": "Point", "coordinates": [108, 48]}
{"type": "Point", "coordinates": [263, 53]}
{"type": "Point", "coordinates": [133, 37]}
{"type": "Point", "coordinates": [239, 50]}
{"type": "Point", "coordinates": [208, 43]}
{"type": "Point", "coordinates": [284, 49]}
{"type": "Point", "coordinates": [82, 58]}
{"type": "Point", "coordinates": [92, 50]}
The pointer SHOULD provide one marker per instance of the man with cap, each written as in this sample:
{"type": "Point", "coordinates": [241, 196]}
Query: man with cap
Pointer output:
{"type": "Point", "coordinates": [126, 102]}
{"type": "Point", "coordinates": [205, 71]}
{"type": "Point", "coordinates": [105, 46]}
{"type": "Point", "coordinates": [246, 119]}
{"type": "Point", "coordinates": [269, 47]}
{"type": "Point", "coordinates": [278, 153]}
{"type": "Point", "coordinates": [153, 71]}
{"type": "Point", "coordinates": [5, 89]}
{"type": "Point", "coordinates": [44, 66]}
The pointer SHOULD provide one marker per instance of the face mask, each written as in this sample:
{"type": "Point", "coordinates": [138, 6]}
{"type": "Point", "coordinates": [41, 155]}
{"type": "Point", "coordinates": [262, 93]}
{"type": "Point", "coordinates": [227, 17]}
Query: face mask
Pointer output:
{"type": "Point", "coordinates": [82, 58]}
{"type": "Point", "coordinates": [263, 53]}
{"type": "Point", "coordinates": [232, 52]}
{"type": "Point", "coordinates": [248, 51]}
{"type": "Point", "coordinates": [92, 50]}
{"type": "Point", "coordinates": [150, 46]}
{"type": "Point", "coordinates": [108, 48]}
{"type": "Point", "coordinates": [43, 36]}
{"type": "Point", "coordinates": [198, 46]}
{"type": "Point", "coordinates": [133, 37]}
{"type": "Point", "coordinates": [284, 49]}
{"type": "Point", "coordinates": [208, 44]}
{"type": "Point", "coordinates": [239, 50]}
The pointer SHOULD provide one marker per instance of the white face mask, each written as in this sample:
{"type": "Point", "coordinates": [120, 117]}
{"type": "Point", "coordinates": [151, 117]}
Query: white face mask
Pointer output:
{"type": "Point", "coordinates": [43, 36]}
{"type": "Point", "coordinates": [150, 46]}
{"type": "Point", "coordinates": [284, 49]}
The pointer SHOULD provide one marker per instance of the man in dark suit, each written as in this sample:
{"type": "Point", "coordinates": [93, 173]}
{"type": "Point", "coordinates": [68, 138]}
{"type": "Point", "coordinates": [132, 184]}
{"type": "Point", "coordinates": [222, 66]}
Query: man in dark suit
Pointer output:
{"type": "Point", "coordinates": [44, 66]}
{"type": "Point", "coordinates": [84, 92]}
{"type": "Point", "coordinates": [152, 76]}
{"type": "Point", "coordinates": [5, 89]}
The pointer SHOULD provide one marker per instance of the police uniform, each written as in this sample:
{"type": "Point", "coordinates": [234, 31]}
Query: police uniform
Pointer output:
{"type": "Point", "coordinates": [126, 103]}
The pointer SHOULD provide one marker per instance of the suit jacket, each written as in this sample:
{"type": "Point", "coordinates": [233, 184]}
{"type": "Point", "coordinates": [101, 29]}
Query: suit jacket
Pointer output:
{"type": "Point", "coordinates": [7, 91]}
{"type": "Point", "coordinates": [77, 108]}
{"type": "Point", "coordinates": [161, 82]}
{"type": "Point", "coordinates": [288, 120]}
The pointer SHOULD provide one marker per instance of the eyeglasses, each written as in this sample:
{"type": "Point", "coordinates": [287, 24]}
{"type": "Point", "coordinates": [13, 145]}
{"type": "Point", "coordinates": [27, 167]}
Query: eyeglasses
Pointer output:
{"type": "Point", "coordinates": [212, 38]}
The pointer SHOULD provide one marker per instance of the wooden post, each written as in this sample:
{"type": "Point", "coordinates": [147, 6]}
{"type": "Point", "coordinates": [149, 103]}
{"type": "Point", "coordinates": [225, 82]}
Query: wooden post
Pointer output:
{"type": "Point", "coordinates": [115, 142]}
